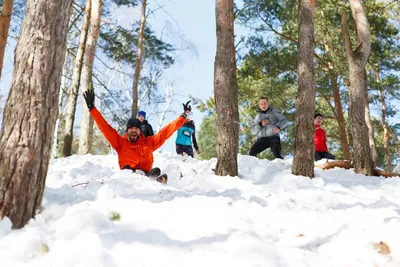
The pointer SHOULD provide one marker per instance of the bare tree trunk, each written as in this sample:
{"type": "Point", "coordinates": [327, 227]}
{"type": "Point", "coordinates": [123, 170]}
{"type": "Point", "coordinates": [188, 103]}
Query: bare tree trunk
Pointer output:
{"type": "Point", "coordinates": [76, 81]}
{"type": "Point", "coordinates": [54, 146]}
{"type": "Point", "coordinates": [138, 65]}
{"type": "Point", "coordinates": [86, 136]}
{"type": "Point", "coordinates": [368, 121]}
{"type": "Point", "coordinates": [5, 18]}
{"type": "Point", "coordinates": [226, 91]}
{"type": "Point", "coordinates": [31, 110]}
{"type": "Point", "coordinates": [303, 161]}
{"type": "Point", "coordinates": [344, 141]}
{"type": "Point", "coordinates": [362, 152]}
{"type": "Point", "coordinates": [386, 133]}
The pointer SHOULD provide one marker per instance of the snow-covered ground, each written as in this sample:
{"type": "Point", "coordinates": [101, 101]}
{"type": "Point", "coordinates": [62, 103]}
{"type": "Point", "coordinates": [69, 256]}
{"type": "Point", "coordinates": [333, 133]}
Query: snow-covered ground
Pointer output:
{"type": "Point", "coordinates": [97, 215]}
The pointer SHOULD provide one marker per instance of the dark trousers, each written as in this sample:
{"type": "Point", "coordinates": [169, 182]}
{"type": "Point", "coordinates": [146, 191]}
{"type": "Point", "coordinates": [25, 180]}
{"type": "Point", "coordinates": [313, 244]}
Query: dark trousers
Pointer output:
{"type": "Point", "coordinates": [180, 149]}
{"type": "Point", "coordinates": [153, 173]}
{"type": "Point", "coordinates": [323, 155]}
{"type": "Point", "coordinates": [273, 142]}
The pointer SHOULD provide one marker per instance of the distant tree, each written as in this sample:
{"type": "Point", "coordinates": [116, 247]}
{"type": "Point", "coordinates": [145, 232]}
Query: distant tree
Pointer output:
{"type": "Point", "coordinates": [31, 110]}
{"type": "Point", "coordinates": [69, 115]}
{"type": "Point", "coordinates": [5, 18]}
{"type": "Point", "coordinates": [138, 65]}
{"type": "Point", "coordinates": [87, 123]}
{"type": "Point", "coordinates": [363, 162]}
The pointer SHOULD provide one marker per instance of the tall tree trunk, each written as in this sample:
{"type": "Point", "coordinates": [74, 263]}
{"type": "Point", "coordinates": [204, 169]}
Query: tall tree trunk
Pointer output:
{"type": "Point", "coordinates": [5, 18]}
{"type": "Point", "coordinates": [386, 133]}
{"type": "Point", "coordinates": [226, 91]}
{"type": "Point", "coordinates": [368, 121]}
{"type": "Point", "coordinates": [138, 65]}
{"type": "Point", "coordinates": [86, 136]}
{"type": "Point", "coordinates": [54, 146]}
{"type": "Point", "coordinates": [76, 81]}
{"type": "Point", "coordinates": [344, 141]}
{"type": "Point", "coordinates": [303, 161]}
{"type": "Point", "coordinates": [362, 152]}
{"type": "Point", "coordinates": [31, 110]}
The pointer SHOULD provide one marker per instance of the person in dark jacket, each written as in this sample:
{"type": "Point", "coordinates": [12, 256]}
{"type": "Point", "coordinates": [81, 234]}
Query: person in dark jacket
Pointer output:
{"type": "Point", "coordinates": [186, 139]}
{"type": "Point", "coordinates": [267, 125]}
{"type": "Point", "coordinates": [321, 149]}
{"type": "Point", "coordinates": [147, 130]}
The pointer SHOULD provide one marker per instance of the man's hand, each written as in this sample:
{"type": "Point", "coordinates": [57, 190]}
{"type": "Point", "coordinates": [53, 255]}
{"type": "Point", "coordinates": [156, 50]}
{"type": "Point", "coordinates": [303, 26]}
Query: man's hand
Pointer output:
{"type": "Point", "coordinates": [89, 98]}
{"type": "Point", "coordinates": [264, 122]}
{"type": "Point", "coordinates": [276, 130]}
{"type": "Point", "coordinates": [198, 151]}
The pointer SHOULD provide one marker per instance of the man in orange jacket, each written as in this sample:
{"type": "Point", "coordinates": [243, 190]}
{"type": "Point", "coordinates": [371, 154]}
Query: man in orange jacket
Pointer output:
{"type": "Point", "coordinates": [135, 151]}
{"type": "Point", "coordinates": [321, 149]}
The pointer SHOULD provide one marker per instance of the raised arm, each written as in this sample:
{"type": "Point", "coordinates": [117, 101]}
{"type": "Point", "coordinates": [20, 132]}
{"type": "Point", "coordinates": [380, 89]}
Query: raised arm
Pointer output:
{"type": "Point", "coordinates": [109, 132]}
{"type": "Point", "coordinates": [159, 138]}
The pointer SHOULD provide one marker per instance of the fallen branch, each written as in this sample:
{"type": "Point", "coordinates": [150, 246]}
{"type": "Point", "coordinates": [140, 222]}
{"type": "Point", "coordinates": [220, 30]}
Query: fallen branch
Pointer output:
{"type": "Point", "coordinates": [85, 184]}
{"type": "Point", "coordinates": [348, 165]}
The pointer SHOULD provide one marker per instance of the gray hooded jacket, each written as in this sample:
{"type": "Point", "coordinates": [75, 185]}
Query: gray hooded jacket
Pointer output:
{"type": "Point", "coordinates": [275, 118]}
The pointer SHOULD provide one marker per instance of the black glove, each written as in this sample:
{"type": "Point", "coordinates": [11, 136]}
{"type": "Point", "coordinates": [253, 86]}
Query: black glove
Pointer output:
{"type": "Point", "coordinates": [186, 109]}
{"type": "Point", "coordinates": [89, 98]}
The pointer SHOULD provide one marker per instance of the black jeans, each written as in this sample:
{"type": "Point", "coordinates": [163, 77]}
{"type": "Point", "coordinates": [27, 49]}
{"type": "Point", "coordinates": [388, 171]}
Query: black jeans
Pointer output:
{"type": "Point", "coordinates": [323, 155]}
{"type": "Point", "coordinates": [153, 173]}
{"type": "Point", "coordinates": [273, 142]}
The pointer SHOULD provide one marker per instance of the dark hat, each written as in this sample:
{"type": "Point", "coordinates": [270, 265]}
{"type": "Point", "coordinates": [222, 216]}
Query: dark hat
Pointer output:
{"type": "Point", "coordinates": [133, 122]}
{"type": "Point", "coordinates": [142, 113]}
{"type": "Point", "coordinates": [318, 115]}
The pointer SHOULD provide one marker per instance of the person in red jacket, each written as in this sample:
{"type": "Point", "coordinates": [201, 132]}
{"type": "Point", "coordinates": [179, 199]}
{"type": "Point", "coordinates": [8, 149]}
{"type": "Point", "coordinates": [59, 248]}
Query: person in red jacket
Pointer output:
{"type": "Point", "coordinates": [135, 151]}
{"type": "Point", "coordinates": [321, 149]}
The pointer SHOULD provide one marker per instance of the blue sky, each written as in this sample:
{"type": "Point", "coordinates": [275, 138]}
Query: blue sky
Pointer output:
{"type": "Point", "coordinates": [193, 72]}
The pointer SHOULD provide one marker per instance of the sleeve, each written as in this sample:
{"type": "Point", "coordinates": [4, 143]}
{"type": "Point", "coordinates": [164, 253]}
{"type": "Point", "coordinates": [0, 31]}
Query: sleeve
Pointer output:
{"type": "Point", "coordinates": [194, 139]}
{"type": "Point", "coordinates": [109, 132]}
{"type": "Point", "coordinates": [326, 147]}
{"type": "Point", "coordinates": [255, 125]}
{"type": "Point", "coordinates": [282, 121]}
{"type": "Point", "coordinates": [159, 139]}
{"type": "Point", "coordinates": [151, 132]}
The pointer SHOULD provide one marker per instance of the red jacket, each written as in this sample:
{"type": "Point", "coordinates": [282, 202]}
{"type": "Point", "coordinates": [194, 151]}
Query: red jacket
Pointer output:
{"type": "Point", "coordinates": [139, 154]}
{"type": "Point", "coordinates": [320, 139]}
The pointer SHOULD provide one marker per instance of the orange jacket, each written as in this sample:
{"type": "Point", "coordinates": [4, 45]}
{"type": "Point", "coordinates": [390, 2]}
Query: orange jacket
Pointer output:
{"type": "Point", "coordinates": [139, 154]}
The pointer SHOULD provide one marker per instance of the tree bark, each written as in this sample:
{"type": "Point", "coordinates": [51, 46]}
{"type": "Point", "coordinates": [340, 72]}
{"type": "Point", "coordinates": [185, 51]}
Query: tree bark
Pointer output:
{"type": "Point", "coordinates": [138, 64]}
{"type": "Point", "coordinates": [31, 109]}
{"type": "Point", "coordinates": [5, 18]}
{"type": "Point", "coordinates": [303, 161]}
{"type": "Point", "coordinates": [344, 140]}
{"type": "Point", "coordinates": [86, 136]}
{"type": "Point", "coordinates": [55, 144]}
{"type": "Point", "coordinates": [226, 91]}
{"type": "Point", "coordinates": [362, 152]}
{"type": "Point", "coordinates": [386, 132]}
{"type": "Point", "coordinates": [76, 81]}
{"type": "Point", "coordinates": [368, 121]}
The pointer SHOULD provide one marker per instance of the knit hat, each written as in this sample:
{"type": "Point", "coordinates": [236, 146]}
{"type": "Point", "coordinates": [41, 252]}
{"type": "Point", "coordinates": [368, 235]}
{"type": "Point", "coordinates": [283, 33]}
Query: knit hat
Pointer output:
{"type": "Point", "coordinates": [133, 122]}
{"type": "Point", "coordinates": [142, 113]}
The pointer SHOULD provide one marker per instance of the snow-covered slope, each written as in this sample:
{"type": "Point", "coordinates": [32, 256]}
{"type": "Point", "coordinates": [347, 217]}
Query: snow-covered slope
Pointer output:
{"type": "Point", "coordinates": [97, 215]}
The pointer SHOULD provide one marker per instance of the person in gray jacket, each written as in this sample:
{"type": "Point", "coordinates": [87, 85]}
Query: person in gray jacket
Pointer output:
{"type": "Point", "coordinates": [267, 125]}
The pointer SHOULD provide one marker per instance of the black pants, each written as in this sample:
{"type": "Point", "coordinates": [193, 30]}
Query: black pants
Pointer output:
{"type": "Point", "coordinates": [323, 155]}
{"type": "Point", "coordinates": [153, 173]}
{"type": "Point", "coordinates": [273, 142]}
